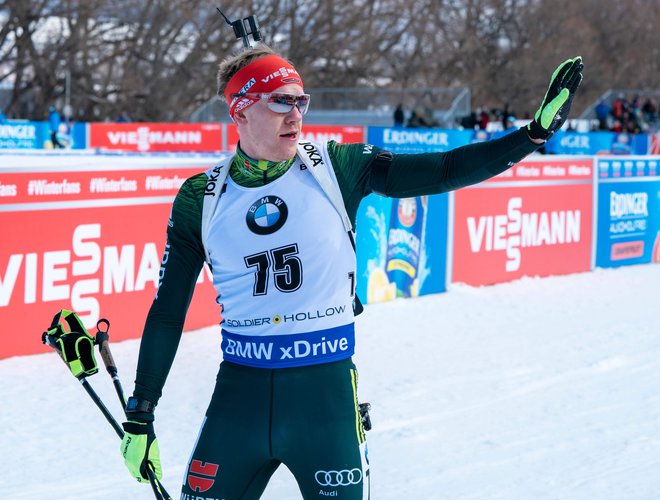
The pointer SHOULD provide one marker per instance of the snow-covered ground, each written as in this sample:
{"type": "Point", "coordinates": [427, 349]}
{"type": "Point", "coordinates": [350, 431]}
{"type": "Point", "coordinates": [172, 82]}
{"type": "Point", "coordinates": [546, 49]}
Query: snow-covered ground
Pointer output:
{"type": "Point", "coordinates": [537, 389]}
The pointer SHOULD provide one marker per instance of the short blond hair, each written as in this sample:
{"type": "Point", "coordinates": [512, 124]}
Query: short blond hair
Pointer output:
{"type": "Point", "coordinates": [229, 66]}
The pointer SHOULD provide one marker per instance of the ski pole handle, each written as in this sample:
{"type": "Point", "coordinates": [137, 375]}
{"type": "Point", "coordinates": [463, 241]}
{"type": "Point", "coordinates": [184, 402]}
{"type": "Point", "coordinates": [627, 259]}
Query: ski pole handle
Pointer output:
{"type": "Point", "coordinates": [103, 341]}
{"type": "Point", "coordinates": [102, 338]}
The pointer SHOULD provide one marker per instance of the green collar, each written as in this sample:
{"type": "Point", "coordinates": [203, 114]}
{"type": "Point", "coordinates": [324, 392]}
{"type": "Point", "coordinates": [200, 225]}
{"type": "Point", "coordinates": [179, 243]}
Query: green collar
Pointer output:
{"type": "Point", "coordinates": [247, 172]}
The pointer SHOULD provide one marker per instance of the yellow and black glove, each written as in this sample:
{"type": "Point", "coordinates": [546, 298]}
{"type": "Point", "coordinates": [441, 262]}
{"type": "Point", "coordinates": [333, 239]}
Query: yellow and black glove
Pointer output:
{"type": "Point", "coordinates": [139, 447]}
{"type": "Point", "coordinates": [557, 101]}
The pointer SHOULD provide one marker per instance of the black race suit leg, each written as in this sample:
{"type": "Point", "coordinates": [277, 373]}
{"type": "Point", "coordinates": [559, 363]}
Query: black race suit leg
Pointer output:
{"type": "Point", "coordinates": [232, 458]}
{"type": "Point", "coordinates": [305, 417]}
{"type": "Point", "coordinates": [317, 431]}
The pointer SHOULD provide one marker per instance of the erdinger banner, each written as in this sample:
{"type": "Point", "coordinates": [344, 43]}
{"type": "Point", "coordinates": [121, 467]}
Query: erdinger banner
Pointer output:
{"type": "Point", "coordinates": [401, 247]}
{"type": "Point", "coordinates": [23, 135]}
{"type": "Point", "coordinates": [628, 211]}
{"type": "Point", "coordinates": [420, 140]}
{"type": "Point", "coordinates": [314, 133]}
{"type": "Point", "coordinates": [156, 137]}
{"type": "Point", "coordinates": [597, 143]}
{"type": "Point", "coordinates": [535, 219]}
{"type": "Point", "coordinates": [89, 241]}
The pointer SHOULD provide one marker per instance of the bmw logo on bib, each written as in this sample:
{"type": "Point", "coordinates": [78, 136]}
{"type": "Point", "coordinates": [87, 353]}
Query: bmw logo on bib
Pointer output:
{"type": "Point", "coordinates": [267, 215]}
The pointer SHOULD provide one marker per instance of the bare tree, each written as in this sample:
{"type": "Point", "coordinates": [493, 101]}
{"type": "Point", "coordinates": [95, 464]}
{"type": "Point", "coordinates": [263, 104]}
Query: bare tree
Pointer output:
{"type": "Point", "coordinates": [156, 59]}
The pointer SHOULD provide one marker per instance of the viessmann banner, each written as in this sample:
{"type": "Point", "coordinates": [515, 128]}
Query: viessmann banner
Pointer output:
{"type": "Point", "coordinates": [314, 133]}
{"type": "Point", "coordinates": [156, 137]}
{"type": "Point", "coordinates": [87, 238]}
{"type": "Point", "coordinates": [535, 219]}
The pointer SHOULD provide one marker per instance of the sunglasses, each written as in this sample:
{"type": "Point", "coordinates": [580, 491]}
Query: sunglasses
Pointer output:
{"type": "Point", "coordinates": [280, 103]}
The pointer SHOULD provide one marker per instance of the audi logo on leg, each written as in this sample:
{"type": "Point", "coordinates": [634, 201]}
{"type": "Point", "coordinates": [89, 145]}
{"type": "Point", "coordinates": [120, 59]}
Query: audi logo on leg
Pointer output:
{"type": "Point", "coordinates": [338, 477]}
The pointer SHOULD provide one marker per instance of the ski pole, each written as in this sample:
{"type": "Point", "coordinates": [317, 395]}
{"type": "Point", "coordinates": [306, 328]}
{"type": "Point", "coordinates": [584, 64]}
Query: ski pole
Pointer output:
{"type": "Point", "coordinates": [159, 490]}
{"type": "Point", "coordinates": [48, 340]}
{"type": "Point", "coordinates": [78, 355]}
{"type": "Point", "coordinates": [106, 413]}
{"type": "Point", "coordinates": [103, 341]}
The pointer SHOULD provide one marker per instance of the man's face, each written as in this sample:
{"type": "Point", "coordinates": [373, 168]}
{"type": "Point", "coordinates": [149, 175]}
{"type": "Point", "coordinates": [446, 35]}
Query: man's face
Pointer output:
{"type": "Point", "coordinates": [267, 135]}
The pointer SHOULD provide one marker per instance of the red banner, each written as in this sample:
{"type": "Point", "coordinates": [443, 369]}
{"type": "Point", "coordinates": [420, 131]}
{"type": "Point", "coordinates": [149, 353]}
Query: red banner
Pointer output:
{"type": "Point", "coordinates": [156, 137]}
{"type": "Point", "coordinates": [655, 144]}
{"type": "Point", "coordinates": [98, 254]}
{"type": "Point", "coordinates": [38, 187]}
{"type": "Point", "coordinates": [314, 133]}
{"type": "Point", "coordinates": [533, 220]}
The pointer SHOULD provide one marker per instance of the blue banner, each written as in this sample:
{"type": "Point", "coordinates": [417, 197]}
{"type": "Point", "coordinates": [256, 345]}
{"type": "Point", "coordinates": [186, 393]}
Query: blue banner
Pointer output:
{"type": "Point", "coordinates": [402, 243]}
{"type": "Point", "coordinates": [23, 135]}
{"type": "Point", "coordinates": [401, 247]}
{"type": "Point", "coordinates": [78, 136]}
{"type": "Point", "coordinates": [418, 140]}
{"type": "Point", "coordinates": [628, 230]}
{"type": "Point", "coordinates": [36, 135]}
{"type": "Point", "coordinates": [597, 143]}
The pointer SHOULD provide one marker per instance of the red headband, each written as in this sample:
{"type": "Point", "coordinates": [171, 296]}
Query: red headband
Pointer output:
{"type": "Point", "coordinates": [262, 75]}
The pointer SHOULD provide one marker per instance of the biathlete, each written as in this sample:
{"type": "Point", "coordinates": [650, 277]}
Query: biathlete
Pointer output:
{"type": "Point", "coordinates": [274, 225]}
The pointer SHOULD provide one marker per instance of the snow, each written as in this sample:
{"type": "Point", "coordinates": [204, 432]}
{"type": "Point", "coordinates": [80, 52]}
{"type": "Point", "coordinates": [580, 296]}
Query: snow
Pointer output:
{"type": "Point", "coordinates": [540, 388]}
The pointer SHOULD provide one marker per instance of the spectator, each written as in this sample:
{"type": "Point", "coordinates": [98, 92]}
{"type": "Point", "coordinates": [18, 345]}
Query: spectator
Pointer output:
{"type": "Point", "coordinates": [602, 114]}
{"type": "Point", "coordinates": [506, 114]}
{"type": "Point", "coordinates": [469, 122]}
{"type": "Point", "coordinates": [483, 118]}
{"type": "Point", "coordinates": [398, 116]}
{"type": "Point", "coordinates": [509, 126]}
{"type": "Point", "coordinates": [635, 105]}
{"type": "Point", "coordinates": [428, 119]}
{"type": "Point", "coordinates": [123, 117]}
{"type": "Point", "coordinates": [649, 110]}
{"type": "Point", "coordinates": [54, 123]}
{"type": "Point", "coordinates": [3, 117]}
{"type": "Point", "coordinates": [510, 123]}
{"type": "Point", "coordinates": [631, 124]}
{"type": "Point", "coordinates": [619, 106]}
{"type": "Point", "coordinates": [415, 120]}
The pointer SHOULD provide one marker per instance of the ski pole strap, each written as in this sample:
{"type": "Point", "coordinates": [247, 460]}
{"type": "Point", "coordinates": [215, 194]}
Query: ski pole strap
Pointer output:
{"type": "Point", "coordinates": [70, 338]}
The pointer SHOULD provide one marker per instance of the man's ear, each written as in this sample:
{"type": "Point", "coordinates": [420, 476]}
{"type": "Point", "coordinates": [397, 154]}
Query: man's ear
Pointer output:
{"type": "Point", "coordinates": [240, 117]}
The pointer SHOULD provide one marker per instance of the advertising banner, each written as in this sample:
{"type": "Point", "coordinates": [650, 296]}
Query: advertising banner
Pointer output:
{"type": "Point", "coordinates": [628, 227]}
{"type": "Point", "coordinates": [654, 147]}
{"type": "Point", "coordinates": [401, 247]}
{"type": "Point", "coordinates": [155, 137]}
{"type": "Point", "coordinates": [23, 135]}
{"type": "Point", "coordinates": [535, 219]}
{"type": "Point", "coordinates": [314, 133]}
{"type": "Point", "coordinates": [418, 140]}
{"type": "Point", "coordinates": [404, 251]}
{"type": "Point", "coordinates": [597, 143]}
{"type": "Point", "coordinates": [90, 241]}
{"type": "Point", "coordinates": [78, 136]}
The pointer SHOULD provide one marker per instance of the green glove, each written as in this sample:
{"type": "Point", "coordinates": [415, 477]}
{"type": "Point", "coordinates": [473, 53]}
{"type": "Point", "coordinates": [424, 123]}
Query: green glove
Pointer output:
{"type": "Point", "coordinates": [139, 447]}
{"type": "Point", "coordinates": [557, 101]}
